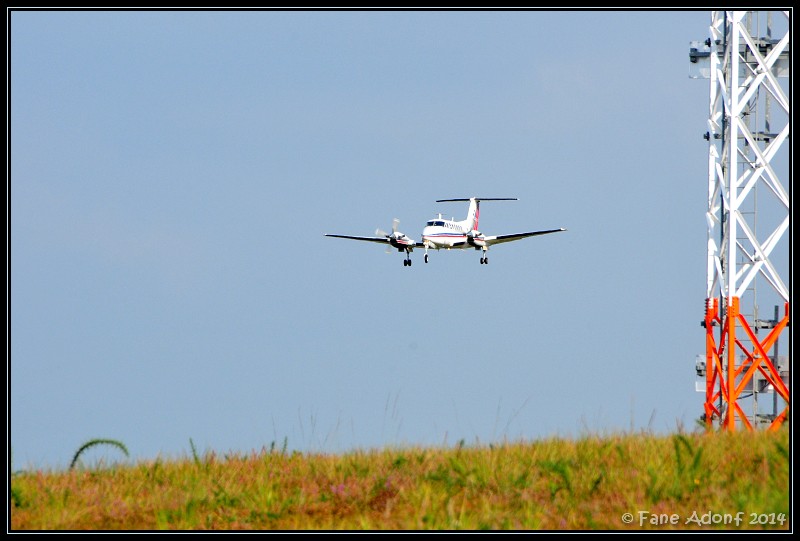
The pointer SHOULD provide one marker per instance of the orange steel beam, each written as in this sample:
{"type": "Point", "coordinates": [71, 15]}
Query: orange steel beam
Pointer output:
{"type": "Point", "coordinates": [721, 370]}
{"type": "Point", "coordinates": [731, 396]}
{"type": "Point", "coordinates": [778, 421]}
{"type": "Point", "coordinates": [713, 367]}
{"type": "Point", "coordinates": [760, 357]}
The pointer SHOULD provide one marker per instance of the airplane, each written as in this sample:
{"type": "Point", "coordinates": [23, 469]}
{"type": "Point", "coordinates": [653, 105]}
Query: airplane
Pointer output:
{"type": "Point", "coordinates": [440, 233]}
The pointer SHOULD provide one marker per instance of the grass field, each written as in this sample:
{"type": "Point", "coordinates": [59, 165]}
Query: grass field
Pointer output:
{"type": "Point", "coordinates": [627, 482]}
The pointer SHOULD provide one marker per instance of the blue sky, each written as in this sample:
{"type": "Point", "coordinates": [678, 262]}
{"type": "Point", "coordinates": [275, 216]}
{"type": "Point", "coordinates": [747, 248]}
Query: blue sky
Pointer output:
{"type": "Point", "coordinates": [173, 175]}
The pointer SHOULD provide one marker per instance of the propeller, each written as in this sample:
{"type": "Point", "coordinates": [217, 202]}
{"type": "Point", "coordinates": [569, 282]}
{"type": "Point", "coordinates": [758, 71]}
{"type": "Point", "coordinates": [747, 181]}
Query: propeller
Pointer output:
{"type": "Point", "coordinates": [381, 233]}
{"type": "Point", "coordinates": [390, 237]}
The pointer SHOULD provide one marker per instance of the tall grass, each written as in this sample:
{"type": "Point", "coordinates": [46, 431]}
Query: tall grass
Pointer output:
{"type": "Point", "coordinates": [92, 443]}
{"type": "Point", "coordinates": [553, 484]}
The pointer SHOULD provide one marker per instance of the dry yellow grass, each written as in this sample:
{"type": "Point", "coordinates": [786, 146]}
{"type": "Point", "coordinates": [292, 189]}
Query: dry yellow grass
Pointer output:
{"type": "Point", "coordinates": [664, 482]}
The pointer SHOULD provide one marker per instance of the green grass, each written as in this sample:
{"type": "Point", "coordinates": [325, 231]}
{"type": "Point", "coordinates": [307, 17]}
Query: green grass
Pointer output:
{"type": "Point", "coordinates": [92, 443]}
{"type": "Point", "coordinates": [553, 484]}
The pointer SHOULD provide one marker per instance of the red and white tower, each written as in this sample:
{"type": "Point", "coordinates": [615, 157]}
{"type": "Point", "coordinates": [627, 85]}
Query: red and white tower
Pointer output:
{"type": "Point", "coordinates": [745, 376]}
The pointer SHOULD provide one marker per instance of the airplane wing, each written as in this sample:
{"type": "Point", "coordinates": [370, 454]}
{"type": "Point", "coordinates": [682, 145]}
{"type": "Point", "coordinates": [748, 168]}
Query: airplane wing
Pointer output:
{"type": "Point", "coordinates": [497, 239]}
{"type": "Point", "coordinates": [382, 240]}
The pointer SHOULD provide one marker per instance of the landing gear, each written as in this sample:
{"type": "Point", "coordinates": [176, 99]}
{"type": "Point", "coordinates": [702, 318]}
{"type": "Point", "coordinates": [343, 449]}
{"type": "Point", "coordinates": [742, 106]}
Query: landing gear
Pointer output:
{"type": "Point", "coordinates": [406, 262]}
{"type": "Point", "coordinates": [426, 258]}
{"type": "Point", "coordinates": [484, 261]}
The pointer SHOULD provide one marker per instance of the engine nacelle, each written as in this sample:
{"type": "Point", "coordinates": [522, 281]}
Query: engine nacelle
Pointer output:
{"type": "Point", "coordinates": [475, 238]}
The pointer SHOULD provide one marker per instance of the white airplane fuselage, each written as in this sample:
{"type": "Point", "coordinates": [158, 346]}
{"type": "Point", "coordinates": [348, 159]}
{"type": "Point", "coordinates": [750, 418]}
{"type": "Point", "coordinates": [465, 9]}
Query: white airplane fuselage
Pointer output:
{"type": "Point", "coordinates": [440, 233]}
{"type": "Point", "coordinates": [461, 234]}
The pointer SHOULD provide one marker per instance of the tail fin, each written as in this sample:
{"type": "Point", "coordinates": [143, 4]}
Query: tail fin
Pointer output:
{"type": "Point", "coordinates": [474, 213]}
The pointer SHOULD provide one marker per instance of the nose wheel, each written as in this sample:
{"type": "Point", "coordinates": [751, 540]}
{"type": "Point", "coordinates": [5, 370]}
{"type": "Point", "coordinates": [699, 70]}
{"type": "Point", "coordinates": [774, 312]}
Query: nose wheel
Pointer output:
{"type": "Point", "coordinates": [426, 258]}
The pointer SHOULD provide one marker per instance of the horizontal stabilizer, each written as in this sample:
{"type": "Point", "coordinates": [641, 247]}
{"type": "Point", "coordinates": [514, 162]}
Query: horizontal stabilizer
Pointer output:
{"type": "Point", "coordinates": [478, 199]}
